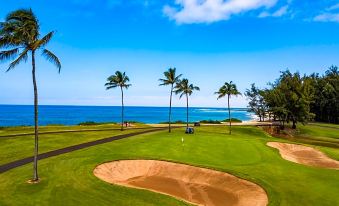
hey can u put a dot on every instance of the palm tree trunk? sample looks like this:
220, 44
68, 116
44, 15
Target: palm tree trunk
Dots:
170, 110
229, 113
36, 129
122, 109
186, 111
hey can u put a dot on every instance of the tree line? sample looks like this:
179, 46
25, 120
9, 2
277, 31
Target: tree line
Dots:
298, 98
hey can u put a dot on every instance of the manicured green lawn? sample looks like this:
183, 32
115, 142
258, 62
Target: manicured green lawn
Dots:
320, 131
317, 134
29, 129
68, 179
18, 147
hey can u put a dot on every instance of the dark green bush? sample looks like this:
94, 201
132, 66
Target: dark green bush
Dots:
210, 121
233, 120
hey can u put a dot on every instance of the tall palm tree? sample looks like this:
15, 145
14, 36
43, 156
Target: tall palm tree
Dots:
20, 36
228, 89
170, 79
119, 79
183, 87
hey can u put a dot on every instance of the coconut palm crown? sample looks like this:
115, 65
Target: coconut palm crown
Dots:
19, 35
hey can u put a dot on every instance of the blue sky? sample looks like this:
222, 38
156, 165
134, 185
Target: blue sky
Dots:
208, 41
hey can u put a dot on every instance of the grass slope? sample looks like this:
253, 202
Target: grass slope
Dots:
68, 179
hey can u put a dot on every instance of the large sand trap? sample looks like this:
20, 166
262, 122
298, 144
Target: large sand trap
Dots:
192, 184
304, 155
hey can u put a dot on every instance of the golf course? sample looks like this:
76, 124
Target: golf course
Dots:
169, 103
68, 179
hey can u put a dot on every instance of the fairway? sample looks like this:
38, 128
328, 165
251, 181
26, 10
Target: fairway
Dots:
68, 179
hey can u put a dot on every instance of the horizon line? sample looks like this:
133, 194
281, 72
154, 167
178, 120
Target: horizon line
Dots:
120, 106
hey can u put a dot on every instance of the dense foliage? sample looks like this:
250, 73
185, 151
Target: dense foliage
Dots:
325, 104
295, 98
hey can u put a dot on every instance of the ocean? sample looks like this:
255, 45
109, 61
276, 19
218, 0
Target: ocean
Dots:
18, 115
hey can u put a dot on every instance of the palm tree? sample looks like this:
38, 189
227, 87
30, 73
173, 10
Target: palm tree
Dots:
20, 36
119, 80
183, 87
228, 89
170, 79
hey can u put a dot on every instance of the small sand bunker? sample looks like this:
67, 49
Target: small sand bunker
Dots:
192, 184
304, 155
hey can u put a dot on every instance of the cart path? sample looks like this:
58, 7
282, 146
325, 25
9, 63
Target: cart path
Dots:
21, 162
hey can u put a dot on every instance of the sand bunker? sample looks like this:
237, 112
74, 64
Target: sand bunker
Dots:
192, 184
304, 155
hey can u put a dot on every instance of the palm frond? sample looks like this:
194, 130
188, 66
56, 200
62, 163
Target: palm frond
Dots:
27, 25
177, 78
195, 88
52, 58
9, 54
165, 82
184, 88
44, 40
126, 86
119, 79
22, 57
229, 88
110, 87
9, 38
20, 14
170, 77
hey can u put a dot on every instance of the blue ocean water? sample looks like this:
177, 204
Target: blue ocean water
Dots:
16, 115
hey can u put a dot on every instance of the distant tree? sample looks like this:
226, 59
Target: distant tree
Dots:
20, 36
228, 89
295, 98
257, 103
296, 95
120, 80
276, 103
170, 79
183, 87
326, 99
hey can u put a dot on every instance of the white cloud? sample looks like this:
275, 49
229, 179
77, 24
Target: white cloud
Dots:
327, 17
334, 7
278, 13
207, 11
330, 14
